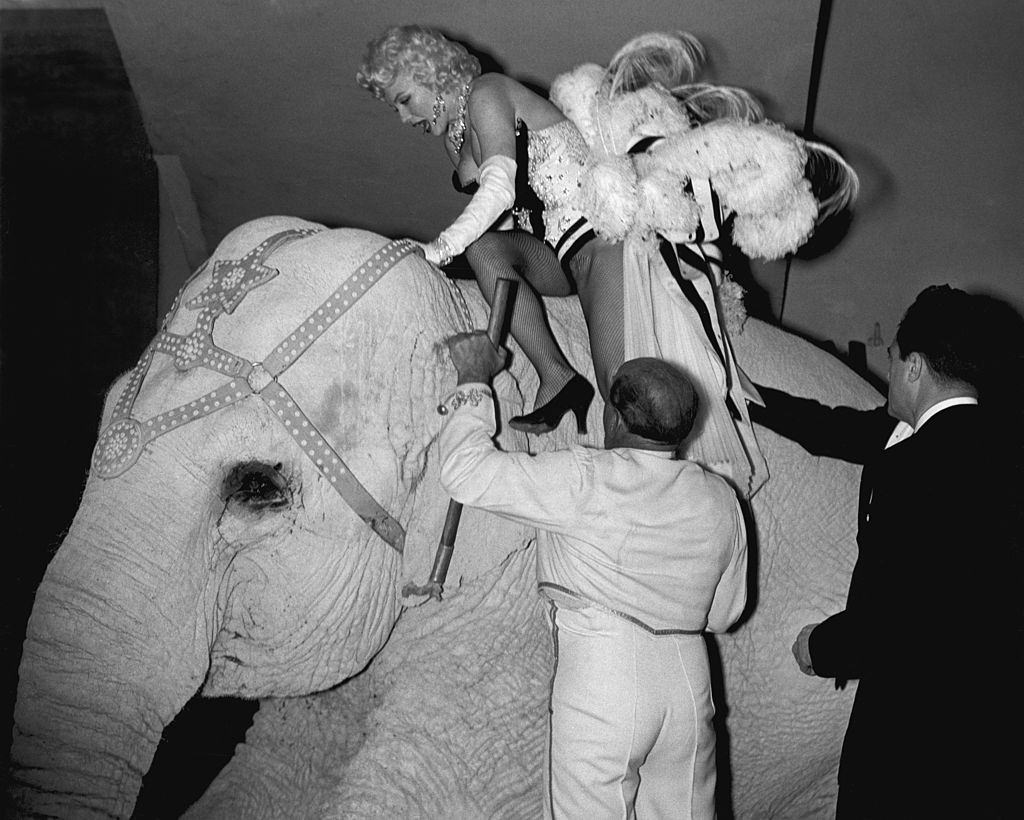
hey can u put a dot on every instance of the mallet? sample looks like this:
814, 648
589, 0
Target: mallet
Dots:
503, 297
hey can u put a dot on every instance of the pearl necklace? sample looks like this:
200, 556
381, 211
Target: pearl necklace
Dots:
457, 127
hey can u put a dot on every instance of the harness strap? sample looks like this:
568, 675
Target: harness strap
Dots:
348, 293
331, 466
230, 281
124, 403
123, 440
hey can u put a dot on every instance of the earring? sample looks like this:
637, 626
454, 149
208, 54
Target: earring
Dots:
439, 108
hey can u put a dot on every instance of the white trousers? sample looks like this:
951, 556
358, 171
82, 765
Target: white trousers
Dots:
630, 722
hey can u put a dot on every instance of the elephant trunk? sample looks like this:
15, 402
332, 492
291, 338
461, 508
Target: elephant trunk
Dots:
107, 663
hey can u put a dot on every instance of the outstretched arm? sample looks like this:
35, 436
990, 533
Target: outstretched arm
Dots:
837, 432
545, 490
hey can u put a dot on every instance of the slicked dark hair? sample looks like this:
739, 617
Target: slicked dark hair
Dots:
949, 328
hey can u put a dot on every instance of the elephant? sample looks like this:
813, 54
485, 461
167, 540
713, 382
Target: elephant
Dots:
264, 488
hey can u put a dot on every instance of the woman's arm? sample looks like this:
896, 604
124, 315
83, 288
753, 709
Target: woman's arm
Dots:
491, 137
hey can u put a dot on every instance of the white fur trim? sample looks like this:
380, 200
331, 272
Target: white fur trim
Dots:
608, 197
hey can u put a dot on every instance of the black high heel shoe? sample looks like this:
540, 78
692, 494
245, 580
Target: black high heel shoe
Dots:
577, 395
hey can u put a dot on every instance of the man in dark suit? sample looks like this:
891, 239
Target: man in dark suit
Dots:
932, 626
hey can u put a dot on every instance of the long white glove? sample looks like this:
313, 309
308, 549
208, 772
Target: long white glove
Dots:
496, 194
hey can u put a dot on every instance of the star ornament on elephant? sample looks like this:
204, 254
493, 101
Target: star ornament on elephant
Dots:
232, 279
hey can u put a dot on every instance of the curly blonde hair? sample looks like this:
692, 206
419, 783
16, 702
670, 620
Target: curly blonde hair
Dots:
432, 60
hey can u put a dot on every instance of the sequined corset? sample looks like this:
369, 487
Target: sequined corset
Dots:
558, 155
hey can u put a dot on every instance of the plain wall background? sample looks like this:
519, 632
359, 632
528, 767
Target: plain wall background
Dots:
257, 99
927, 101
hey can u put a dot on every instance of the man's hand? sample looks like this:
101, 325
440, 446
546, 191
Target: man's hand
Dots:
475, 358
802, 649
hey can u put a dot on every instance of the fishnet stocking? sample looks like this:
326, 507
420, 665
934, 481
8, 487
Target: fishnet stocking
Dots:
597, 269
520, 256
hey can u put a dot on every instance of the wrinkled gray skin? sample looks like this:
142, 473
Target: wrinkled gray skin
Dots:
163, 588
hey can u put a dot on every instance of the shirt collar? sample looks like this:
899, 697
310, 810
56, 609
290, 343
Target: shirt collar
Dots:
942, 405
904, 430
666, 454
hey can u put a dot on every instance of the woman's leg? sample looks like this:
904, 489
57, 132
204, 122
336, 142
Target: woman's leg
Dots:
597, 269
533, 265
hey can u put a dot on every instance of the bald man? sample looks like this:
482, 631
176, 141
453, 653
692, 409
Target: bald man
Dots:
639, 553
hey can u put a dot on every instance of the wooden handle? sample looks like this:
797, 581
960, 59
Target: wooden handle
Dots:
495, 331
499, 309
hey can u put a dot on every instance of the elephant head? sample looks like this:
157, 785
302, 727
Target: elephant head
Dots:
260, 492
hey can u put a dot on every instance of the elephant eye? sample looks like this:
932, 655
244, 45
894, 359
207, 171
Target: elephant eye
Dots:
257, 485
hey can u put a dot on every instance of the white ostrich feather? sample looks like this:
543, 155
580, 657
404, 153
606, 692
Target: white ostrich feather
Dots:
664, 206
608, 196
759, 169
662, 58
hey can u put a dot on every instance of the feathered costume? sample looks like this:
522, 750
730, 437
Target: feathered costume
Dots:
670, 161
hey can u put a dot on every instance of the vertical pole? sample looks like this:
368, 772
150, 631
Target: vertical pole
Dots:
446, 546
817, 58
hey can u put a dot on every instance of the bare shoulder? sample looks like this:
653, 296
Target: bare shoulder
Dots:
492, 86
491, 94
494, 89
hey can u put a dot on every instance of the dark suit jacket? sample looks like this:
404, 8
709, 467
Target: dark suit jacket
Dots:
931, 626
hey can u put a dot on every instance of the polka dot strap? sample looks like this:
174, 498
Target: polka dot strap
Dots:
228, 286
331, 465
347, 294
123, 406
121, 443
